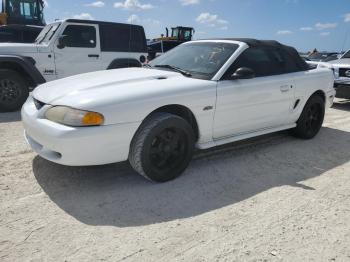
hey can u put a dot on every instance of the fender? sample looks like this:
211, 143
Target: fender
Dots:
27, 64
123, 63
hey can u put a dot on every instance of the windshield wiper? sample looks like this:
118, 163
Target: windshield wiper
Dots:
174, 68
147, 65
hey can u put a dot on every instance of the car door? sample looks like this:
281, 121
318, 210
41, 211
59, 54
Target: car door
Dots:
80, 52
249, 105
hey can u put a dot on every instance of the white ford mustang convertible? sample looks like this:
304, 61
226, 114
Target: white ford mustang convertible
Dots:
199, 95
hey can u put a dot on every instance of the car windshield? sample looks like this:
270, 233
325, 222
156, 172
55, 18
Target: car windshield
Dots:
318, 56
47, 33
323, 57
200, 59
346, 55
331, 58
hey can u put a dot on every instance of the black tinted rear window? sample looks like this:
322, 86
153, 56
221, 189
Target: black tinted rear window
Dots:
267, 61
122, 38
285, 61
138, 40
259, 60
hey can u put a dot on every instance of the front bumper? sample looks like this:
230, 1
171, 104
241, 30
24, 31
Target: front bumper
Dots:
342, 86
76, 146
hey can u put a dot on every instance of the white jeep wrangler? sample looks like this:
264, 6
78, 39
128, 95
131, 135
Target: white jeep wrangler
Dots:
64, 49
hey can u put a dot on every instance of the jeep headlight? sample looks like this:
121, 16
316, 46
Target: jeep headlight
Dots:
73, 117
336, 72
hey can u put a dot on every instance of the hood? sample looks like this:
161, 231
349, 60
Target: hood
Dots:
87, 91
341, 62
15, 48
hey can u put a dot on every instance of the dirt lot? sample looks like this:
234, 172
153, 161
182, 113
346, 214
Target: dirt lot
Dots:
275, 198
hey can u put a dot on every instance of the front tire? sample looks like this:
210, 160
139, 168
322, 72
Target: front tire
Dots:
162, 148
13, 90
311, 119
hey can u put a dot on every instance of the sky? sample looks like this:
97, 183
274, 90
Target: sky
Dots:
304, 24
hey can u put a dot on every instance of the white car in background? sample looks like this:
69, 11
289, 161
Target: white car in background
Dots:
200, 94
341, 69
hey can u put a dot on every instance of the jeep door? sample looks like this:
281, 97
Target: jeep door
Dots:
262, 102
45, 54
80, 52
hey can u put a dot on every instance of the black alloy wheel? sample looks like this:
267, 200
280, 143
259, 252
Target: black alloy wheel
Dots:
168, 149
311, 119
162, 148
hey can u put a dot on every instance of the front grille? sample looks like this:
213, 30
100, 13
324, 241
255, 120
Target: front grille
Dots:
38, 104
344, 72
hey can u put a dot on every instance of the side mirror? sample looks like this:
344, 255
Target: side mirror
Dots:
62, 42
243, 73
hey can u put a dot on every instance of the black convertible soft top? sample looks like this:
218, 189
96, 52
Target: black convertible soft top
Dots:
293, 53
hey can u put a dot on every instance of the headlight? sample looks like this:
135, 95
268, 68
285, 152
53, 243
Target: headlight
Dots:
73, 117
336, 72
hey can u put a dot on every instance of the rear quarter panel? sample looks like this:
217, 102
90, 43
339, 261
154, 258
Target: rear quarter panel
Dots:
106, 58
309, 82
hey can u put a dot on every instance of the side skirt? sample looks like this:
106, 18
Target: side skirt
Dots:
235, 138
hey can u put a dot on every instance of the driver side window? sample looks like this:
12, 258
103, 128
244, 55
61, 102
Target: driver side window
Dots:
257, 59
80, 36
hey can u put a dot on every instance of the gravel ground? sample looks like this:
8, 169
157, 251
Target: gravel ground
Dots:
274, 198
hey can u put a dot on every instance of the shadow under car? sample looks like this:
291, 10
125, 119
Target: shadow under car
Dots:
115, 195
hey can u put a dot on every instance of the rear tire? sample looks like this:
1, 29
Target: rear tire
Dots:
162, 148
13, 90
311, 119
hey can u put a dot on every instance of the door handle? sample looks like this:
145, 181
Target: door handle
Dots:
96, 56
285, 88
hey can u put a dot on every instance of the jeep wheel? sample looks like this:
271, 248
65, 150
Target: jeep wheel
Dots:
13, 90
162, 147
311, 119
